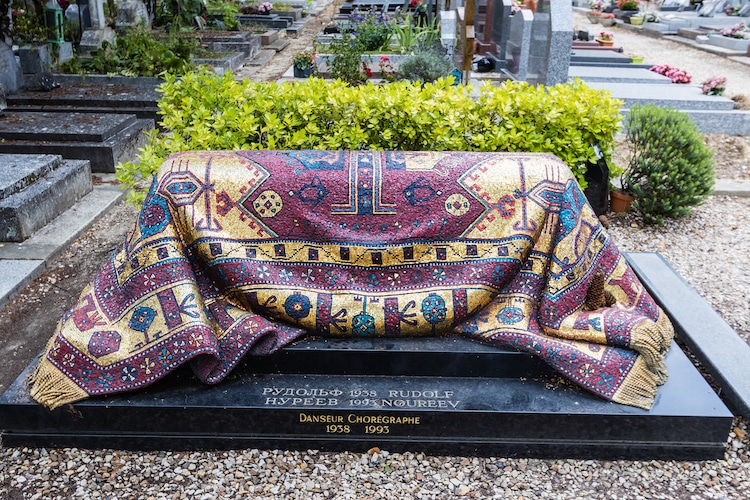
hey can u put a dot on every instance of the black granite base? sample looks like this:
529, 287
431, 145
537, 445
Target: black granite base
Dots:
421, 405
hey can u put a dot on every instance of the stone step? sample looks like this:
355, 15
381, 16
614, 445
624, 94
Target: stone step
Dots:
278, 45
104, 139
262, 57
592, 57
36, 189
617, 75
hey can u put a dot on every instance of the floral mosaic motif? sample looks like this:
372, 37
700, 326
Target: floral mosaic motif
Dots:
510, 315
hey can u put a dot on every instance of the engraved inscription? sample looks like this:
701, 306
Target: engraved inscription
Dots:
359, 398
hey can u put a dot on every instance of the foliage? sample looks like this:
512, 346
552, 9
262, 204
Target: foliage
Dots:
28, 26
228, 12
346, 59
137, 53
409, 35
204, 111
371, 28
424, 67
716, 85
628, 4
670, 169
675, 74
178, 12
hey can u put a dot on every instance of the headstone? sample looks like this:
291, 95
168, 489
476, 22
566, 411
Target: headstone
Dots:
104, 139
500, 31
710, 7
519, 44
131, 13
34, 189
11, 77
552, 32
93, 37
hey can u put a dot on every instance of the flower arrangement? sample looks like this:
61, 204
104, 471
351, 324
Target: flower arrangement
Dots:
265, 7
387, 71
598, 4
716, 85
731, 10
737, 31
675, 74
608, 15
606, 36
628, 4
304, 59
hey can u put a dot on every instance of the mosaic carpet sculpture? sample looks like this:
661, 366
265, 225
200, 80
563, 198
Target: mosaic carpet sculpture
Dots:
243, 252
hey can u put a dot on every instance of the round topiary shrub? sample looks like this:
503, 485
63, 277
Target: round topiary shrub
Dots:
670, 170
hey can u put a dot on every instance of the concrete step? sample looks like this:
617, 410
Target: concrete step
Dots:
278, 45
36, 189
262, 57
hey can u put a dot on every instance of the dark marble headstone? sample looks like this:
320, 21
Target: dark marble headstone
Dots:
104, 139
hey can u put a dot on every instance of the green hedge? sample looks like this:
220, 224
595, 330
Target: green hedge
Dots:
203, 111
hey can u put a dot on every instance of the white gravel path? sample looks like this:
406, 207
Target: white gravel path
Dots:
710, 248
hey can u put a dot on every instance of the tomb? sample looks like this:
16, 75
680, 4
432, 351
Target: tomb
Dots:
103, 139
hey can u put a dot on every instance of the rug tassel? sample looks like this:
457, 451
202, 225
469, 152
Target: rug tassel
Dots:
51, 388
652, 340
639, 387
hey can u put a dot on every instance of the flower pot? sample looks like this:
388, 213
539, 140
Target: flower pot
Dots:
303, 73
607, 21
605, 43
619, 201
636, 21
636, 59
593, 19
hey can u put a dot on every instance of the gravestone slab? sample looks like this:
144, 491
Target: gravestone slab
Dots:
11, 77
442, 396
35, 190
123, 95
519, 44
104, 139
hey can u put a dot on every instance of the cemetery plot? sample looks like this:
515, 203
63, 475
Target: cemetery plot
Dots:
104, 139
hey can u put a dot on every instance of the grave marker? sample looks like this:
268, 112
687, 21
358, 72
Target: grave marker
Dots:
93, 37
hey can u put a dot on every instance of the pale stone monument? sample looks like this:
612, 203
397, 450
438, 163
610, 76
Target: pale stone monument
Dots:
93, 37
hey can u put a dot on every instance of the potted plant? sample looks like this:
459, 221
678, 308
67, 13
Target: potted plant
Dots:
605, 39
637, 19
304, 63
607, 19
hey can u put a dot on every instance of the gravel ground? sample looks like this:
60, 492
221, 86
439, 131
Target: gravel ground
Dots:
710, 248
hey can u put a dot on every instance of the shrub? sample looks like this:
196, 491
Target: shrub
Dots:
670, 170
206, 111
424, 66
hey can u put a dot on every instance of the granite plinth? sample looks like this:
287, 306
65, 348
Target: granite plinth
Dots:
713, 342
63, 127
27, 211
593, 57
677, 96
617, 75
508, 416
103, 139
20, 171
120, 95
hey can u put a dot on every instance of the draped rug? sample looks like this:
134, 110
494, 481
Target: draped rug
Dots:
237, 253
